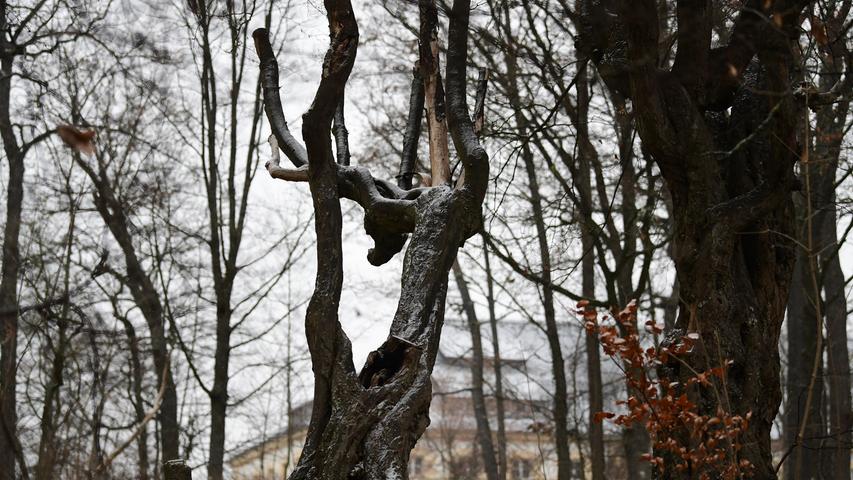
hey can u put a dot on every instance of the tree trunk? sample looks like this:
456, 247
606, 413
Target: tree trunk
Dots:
219, 392
499, 389
560, 409
481, 415
138, 399
558, 369
147, 298
10, 269
829, 134
840, 418
730, 177
363, 426
47, 451
593, 356
803, 329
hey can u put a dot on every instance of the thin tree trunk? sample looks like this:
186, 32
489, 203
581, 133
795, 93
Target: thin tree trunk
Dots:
481, 415
838, 372
147, 298
46, 464
10, 268
558, 369
803, 330
829, 134
499, 389
219, 393
593, 356
138, 399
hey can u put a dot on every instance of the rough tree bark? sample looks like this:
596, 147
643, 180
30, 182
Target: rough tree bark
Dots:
363, 425
730, 175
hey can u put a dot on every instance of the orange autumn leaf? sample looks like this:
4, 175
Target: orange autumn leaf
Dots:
82, 141
600, 416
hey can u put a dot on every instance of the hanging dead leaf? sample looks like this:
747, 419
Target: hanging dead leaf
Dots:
82, 141
819, 31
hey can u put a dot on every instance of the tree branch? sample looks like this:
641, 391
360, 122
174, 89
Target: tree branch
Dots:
474, 157
413, 131
272, 100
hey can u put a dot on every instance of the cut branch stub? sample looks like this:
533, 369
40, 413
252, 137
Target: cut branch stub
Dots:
413, 131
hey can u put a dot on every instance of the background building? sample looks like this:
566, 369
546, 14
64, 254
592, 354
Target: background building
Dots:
448, 448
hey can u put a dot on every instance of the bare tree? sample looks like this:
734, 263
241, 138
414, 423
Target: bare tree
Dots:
227, 172
819, 438
364, 425
28, 31
729, 177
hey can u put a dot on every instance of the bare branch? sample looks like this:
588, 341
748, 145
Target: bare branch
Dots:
413, 131
272, 100
473, 156
140, 427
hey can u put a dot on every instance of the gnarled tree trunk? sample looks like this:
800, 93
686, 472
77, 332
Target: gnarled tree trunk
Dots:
363, 425
729, 174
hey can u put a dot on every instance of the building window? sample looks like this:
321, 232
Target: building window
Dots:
521, 470
416, 466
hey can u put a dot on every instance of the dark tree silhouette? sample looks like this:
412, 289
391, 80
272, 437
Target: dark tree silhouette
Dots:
721, 125
364, 424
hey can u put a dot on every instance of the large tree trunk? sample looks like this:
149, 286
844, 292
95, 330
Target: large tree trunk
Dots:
363, 426
729, 177
367, 424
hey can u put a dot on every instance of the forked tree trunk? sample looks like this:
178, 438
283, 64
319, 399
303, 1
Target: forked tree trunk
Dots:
730, 177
